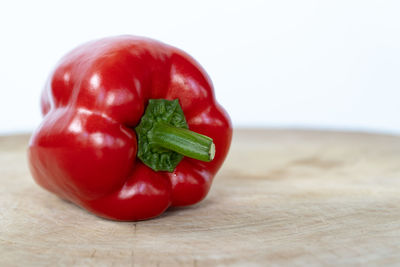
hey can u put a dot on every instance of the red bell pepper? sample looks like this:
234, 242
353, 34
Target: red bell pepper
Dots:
115, 136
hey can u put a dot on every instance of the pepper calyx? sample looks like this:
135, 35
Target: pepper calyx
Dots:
164, 137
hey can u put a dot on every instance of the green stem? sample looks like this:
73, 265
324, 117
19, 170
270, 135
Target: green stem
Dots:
164, 137
182, 141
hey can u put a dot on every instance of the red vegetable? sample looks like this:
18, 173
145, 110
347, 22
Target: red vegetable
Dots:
87, 151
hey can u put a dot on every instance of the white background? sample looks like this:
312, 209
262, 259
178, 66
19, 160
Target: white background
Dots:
308, 64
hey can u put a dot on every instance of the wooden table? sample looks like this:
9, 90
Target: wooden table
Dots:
283, 197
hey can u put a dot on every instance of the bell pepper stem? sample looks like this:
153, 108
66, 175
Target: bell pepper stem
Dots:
164, 137
182, 141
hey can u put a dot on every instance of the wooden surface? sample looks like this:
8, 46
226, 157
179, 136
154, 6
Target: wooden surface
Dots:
283, 197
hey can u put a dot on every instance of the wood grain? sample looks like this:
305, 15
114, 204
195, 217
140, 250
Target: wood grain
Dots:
283, 197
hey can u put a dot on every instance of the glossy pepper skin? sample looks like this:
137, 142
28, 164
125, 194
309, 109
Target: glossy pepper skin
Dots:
85, 149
